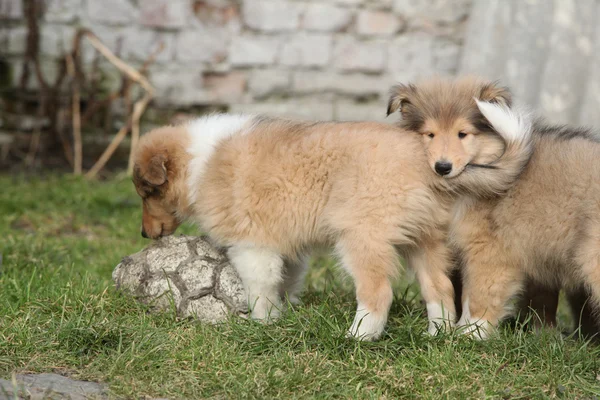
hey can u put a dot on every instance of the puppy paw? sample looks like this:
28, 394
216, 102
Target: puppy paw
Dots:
366, 327
266, 313
478, 330
437, 327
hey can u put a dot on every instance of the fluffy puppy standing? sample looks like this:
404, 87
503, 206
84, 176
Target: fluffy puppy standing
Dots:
271, 189
546, 228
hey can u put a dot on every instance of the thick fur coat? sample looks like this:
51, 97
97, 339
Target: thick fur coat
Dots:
271, 189
546, 228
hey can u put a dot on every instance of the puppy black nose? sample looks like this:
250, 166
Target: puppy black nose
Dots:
443, 167
144, 234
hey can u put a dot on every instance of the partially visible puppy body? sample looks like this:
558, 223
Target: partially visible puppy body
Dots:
546, 227
542, 302
270, 190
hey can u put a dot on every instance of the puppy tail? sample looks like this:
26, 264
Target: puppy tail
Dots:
515, 127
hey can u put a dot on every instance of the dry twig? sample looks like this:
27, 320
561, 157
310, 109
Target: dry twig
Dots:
138, 108
76, 115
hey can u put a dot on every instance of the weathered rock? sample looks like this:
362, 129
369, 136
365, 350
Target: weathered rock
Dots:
186, 274
112, 12
545, 51
17, 39
350, 54
10, 9
357, 111
224, 87
208, 44
253, 50
326, 18
432, 11
264, 82
309, 109
377, 23
177, 83
411, 56
56, 39
61, 10
139, 44
351, 83
50, 386
164, 13
308, 50
271, 16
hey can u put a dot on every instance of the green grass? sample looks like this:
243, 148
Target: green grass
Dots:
61, 237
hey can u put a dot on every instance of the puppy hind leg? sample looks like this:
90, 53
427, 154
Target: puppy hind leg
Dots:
372, 263
540, 300
582, 310
589, 259
432, 264
261, 272
293, 279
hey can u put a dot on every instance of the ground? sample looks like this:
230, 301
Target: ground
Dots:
62, 237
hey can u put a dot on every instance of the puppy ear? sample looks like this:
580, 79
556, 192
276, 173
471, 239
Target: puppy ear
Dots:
156, 170
493, 93
400, 95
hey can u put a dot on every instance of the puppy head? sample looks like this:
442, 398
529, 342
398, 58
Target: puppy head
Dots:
158, 178
445, 114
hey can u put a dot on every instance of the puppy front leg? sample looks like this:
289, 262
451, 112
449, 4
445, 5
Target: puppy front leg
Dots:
490, 280
261, 271
372, 264
432, 264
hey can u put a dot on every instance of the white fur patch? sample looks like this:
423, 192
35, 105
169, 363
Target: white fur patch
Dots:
511, 125
439, 318
479, 329
261, 272
367, 325
206, 133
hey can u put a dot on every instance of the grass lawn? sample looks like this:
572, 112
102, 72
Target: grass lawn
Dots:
61, 237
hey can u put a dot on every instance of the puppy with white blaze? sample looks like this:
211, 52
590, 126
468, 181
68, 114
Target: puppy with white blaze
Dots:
270, 190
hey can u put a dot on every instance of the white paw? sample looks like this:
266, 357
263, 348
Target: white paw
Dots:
265, 311
366, 327
478, 330
440, 319
439, 326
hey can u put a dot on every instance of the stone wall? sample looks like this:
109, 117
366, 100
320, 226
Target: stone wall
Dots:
320, 59
547, 51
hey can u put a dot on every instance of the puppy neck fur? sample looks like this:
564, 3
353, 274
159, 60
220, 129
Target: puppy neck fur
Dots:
205, 134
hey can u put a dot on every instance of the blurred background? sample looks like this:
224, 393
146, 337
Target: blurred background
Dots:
314, 59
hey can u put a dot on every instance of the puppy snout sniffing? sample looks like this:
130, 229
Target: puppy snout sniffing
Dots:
443, 167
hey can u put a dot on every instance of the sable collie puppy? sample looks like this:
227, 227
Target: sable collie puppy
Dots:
546, 227
269, 190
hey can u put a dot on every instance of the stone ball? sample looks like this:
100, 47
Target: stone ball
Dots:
183, 273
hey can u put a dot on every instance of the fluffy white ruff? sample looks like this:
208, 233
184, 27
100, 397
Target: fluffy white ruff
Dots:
510, 124
261, 271
476, 329
440, 319
206, 133
367, 326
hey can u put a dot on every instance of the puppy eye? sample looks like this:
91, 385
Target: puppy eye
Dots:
462, 135
431, 135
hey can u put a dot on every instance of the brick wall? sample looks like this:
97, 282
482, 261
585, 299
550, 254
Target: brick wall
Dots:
323, 59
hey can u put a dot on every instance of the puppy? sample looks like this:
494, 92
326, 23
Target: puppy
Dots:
271, 189
546, 228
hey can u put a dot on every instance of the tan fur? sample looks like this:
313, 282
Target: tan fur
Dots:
159, 179
546, 227
443, 111
283, 187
